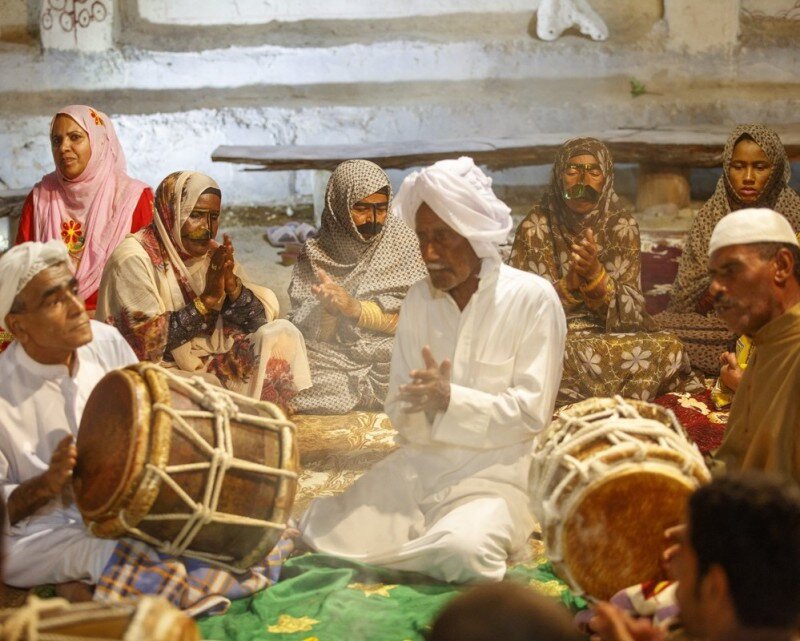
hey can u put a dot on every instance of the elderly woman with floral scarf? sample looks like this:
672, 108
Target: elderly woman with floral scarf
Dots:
180, 299
347, 289
582, 241
755, 173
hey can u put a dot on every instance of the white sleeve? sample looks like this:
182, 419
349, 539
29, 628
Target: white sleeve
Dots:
484, 420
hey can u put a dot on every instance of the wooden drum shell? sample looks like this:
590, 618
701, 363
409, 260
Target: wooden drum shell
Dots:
125, 431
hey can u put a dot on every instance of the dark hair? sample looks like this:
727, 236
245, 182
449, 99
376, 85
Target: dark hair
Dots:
768, 251
749, 525
212, 190
507, 611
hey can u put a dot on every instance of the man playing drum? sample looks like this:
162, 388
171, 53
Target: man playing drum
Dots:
754, 264
474, 375
46, 376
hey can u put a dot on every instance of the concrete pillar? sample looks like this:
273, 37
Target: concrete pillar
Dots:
77, 25
697, 27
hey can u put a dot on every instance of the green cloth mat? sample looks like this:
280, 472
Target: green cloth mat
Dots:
324, 598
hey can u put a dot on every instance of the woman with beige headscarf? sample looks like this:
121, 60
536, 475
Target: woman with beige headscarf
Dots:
180, 299
755, 173
581, 239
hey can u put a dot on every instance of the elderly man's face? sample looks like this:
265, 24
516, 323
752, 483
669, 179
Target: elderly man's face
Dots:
450, 259
201, 226
51, 318
741, 287
583, 170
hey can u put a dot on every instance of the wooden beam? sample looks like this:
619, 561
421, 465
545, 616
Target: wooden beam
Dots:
700, 147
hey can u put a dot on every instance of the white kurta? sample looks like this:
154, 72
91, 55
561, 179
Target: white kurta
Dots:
40, 405
452, 501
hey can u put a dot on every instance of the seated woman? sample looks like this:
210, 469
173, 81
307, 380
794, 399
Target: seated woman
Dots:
581, 240
89, 201
755, 173
347, 289
180, 299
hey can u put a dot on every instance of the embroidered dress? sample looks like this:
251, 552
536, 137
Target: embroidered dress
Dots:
350, 360
148, 292
690, 313
613, 346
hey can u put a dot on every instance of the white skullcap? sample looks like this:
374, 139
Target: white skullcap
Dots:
461, 195
21, 263
748, 226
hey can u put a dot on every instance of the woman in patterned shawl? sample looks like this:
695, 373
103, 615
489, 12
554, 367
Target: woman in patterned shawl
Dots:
581, 240
347, 289
755, 173
180, 299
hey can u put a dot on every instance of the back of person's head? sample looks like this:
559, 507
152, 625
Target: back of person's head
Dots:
503, 611
749, 525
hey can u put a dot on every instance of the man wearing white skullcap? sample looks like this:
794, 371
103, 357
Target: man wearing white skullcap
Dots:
474, 376
46, 376
754, 264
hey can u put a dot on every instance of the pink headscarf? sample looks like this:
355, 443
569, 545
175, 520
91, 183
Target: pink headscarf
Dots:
102, 199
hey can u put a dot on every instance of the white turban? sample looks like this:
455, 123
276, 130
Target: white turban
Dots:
461, 195
21, 263
748, 226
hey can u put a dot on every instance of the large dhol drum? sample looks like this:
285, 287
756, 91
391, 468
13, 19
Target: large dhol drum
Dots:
608, 477
188, 467
146, 619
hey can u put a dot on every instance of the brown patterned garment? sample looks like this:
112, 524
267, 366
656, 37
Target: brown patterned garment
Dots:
350, 365
612, 345
704, 334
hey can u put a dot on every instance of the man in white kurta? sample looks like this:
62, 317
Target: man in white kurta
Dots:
452, 501
41, 404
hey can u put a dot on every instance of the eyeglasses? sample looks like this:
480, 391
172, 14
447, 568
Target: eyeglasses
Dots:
374, 208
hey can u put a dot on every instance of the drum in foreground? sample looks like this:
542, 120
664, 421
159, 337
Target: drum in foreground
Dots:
147, 619
185, 466
608, 477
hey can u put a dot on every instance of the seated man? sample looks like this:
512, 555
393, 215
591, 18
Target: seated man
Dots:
743, 585
46, 376
347, 288
474, 375
181, 300
754, 264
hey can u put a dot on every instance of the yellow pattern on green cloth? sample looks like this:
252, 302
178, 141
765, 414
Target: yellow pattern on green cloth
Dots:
370, 589
288, 624
548, 588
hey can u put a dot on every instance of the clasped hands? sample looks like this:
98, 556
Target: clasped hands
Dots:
334, 298
584, 262
221, 282
429, 389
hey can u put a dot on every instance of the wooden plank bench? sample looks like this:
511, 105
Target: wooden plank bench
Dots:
665, 155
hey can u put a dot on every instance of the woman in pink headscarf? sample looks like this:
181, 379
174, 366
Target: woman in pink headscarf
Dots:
89, 201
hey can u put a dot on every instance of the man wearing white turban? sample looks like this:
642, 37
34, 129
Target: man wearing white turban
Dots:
46, 376
474, 375
754, 264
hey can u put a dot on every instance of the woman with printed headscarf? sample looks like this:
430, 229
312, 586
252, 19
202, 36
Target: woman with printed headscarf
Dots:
89, 201
755, 173
180, 299
347, 289
581, 239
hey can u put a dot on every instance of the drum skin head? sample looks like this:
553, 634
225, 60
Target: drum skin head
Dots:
111, 445
613, 537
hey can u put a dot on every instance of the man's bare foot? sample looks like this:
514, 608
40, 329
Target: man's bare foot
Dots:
75, 591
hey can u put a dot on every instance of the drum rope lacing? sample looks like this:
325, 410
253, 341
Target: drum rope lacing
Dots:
554, 455
23, 623
221, 460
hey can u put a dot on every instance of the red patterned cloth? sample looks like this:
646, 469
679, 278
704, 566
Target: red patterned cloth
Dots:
703, 422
